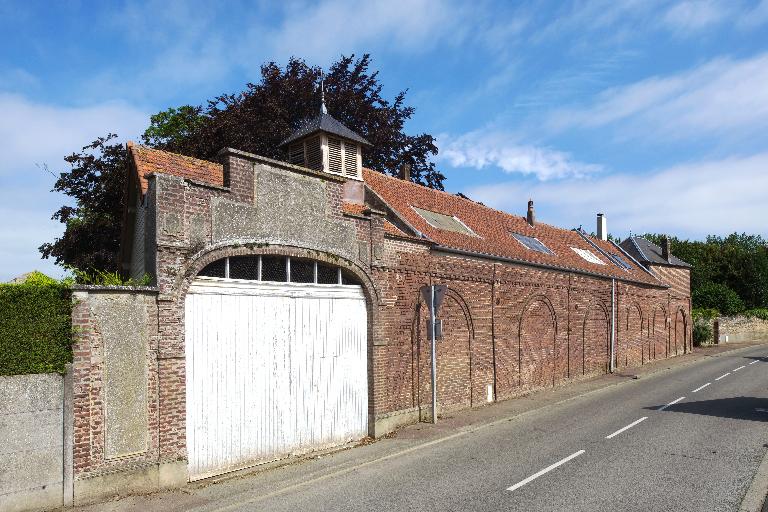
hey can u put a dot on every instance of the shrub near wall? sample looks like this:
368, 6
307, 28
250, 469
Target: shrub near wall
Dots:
35, 326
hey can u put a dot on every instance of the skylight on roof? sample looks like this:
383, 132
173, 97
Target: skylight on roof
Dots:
618, 260
442, 221
531, 243
588, 255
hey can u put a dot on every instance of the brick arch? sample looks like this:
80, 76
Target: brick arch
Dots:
454, 354
537, 339
595, 338
629, 350
681, 331
659, 333
196, 263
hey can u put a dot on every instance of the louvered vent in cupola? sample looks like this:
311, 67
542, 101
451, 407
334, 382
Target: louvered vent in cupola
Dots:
314, 151
296, 153
350, 160
334, 155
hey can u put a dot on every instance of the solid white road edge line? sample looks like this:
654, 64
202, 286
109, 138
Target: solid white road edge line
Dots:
723, 375
701, 387
545, 470
739, 368
627, 427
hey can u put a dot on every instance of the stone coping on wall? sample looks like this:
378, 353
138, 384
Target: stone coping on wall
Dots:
282, 165
114, 288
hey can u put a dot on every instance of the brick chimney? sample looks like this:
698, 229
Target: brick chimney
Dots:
531, 217
666, 253
405, 172
602, 227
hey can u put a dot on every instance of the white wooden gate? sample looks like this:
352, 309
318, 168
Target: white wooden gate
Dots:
272, 369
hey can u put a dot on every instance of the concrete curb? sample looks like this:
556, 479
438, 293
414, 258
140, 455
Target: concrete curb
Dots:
754, 499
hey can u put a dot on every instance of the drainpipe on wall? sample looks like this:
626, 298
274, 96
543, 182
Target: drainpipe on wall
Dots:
613, 324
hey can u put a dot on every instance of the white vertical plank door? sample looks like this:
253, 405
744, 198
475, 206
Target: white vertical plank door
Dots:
272, 369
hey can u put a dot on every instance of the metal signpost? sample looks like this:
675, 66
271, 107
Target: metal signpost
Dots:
433, 296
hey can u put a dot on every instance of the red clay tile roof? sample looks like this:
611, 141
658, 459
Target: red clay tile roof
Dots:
149, 160
494, 228
353, 208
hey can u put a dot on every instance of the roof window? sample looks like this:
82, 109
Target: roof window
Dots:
445, 222
532, 243
588, 255
618, 260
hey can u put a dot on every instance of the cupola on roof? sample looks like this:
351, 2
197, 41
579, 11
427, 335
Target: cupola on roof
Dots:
323, 143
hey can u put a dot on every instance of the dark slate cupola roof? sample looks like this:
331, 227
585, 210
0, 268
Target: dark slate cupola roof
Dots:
324, 123
648, 253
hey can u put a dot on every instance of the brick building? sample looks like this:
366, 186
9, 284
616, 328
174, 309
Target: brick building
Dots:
287, 312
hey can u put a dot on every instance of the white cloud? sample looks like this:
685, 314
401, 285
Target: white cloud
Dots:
36, 133
694, 199
323, 31
756, 17
692, 16
489, 148
722, 95
26, 213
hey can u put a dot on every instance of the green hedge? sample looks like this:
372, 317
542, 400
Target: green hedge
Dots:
35, 326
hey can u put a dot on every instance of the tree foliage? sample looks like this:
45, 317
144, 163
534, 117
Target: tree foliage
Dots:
729, 273
259, 118
96, 182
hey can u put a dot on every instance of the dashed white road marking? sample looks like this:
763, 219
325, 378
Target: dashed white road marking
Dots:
755, 361
739, 368
701, 387
627, 427
673, 402
545, 470
723, 375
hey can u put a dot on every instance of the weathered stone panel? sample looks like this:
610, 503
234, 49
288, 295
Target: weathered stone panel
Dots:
123, 322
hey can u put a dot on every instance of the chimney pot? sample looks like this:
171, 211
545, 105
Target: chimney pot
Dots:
602, 227
531, 216
405, 172
666, 253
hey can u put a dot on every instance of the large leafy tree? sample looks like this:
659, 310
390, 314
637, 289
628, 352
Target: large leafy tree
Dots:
728, 272
258, 119
255, 120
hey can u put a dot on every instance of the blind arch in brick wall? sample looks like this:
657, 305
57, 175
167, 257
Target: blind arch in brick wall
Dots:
537, 343
681, 331
454, 354
595, 338
659, 333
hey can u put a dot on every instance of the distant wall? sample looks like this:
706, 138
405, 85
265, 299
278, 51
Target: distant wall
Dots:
34, 441
739, 329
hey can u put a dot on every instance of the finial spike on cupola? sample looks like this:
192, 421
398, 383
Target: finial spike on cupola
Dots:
323, 109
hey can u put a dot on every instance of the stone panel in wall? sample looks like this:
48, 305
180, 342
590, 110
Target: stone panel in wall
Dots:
122, 320
290, 209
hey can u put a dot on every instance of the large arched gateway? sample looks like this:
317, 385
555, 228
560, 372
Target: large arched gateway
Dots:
276, 359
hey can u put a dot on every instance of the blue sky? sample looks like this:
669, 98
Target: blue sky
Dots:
653, 112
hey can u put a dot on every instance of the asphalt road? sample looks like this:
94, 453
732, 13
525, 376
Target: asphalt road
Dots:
698, 454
